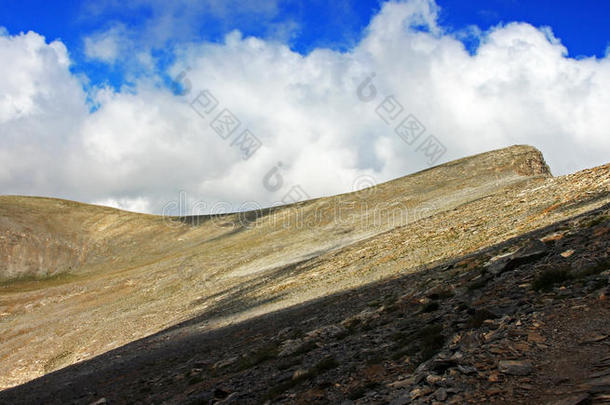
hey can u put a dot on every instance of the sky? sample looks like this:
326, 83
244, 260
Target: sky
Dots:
209, 106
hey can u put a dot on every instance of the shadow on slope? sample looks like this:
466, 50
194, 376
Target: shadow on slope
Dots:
188, 363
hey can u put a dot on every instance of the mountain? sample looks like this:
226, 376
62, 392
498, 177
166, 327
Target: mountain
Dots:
401, 292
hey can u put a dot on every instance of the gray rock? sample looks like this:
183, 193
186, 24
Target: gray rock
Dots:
599, 384
440, 394
326, 332
433, 379
298, 374
200, 398
578, 399
514, 367
466, 369
225, 362
291, 346
420, 392
401, 400
529, 253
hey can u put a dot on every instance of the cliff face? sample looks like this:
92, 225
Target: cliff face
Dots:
133, 275
25, 252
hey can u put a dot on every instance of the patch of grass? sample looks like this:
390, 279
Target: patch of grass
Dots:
374, 358
306, 348
390, 308
431, 307
57, 361
594, 269
407, 351
296, 334
278, 389
400, 336
259, 356
600, 284
426, 342
374, 303
289, 362
353, 323
34, 282
367, 326
322, 366
342, 335
441, 294
432, 341
596, 221
359, 392
389, 298
195, 380
479, 283
548, 278
327, 363
478, 317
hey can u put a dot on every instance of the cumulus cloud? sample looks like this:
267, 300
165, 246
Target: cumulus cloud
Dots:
42, 106
167, 22
106, 46
142, 146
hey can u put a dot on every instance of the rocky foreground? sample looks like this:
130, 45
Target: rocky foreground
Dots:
525, 321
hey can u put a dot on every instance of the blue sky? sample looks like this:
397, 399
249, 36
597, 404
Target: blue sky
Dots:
581, 26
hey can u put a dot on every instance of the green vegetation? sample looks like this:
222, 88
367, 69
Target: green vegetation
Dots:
390, 308
289, 362
30, 282
594, 269
57, 361
431, 307
477, 284
259, 356
597, 221
375, 303
479, 316
441, 294
305, 348
549, 277
432, 341
327, 363
359, 392
425, 343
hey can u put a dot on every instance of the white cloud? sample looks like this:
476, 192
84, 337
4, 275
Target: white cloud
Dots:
139, 204
143, 145
107, 46
163, 22
42, 106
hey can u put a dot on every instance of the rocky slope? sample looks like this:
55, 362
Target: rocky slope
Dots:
524, 321
134, 275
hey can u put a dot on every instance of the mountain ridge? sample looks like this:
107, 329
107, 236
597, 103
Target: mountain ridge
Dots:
147, 276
